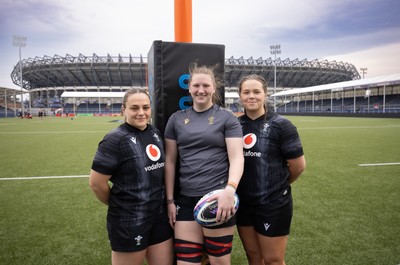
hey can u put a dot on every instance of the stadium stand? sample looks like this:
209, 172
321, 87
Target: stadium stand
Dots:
369, 96
48, 78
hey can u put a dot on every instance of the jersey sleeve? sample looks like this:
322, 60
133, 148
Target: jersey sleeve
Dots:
107, 155
291, 146
233, 129
169, 132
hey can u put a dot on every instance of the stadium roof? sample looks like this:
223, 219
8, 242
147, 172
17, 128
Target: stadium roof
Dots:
69, 94
76, 94
86, 72
10, 91
347, 85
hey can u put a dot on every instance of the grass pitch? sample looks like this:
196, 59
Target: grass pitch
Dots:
344, 213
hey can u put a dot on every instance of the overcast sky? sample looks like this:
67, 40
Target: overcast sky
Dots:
365, 33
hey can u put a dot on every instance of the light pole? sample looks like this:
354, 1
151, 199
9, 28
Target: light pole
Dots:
367, 92
20, 41
363, 71
275, 49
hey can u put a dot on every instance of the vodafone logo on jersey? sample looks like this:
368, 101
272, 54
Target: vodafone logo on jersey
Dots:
153, 152
249, 140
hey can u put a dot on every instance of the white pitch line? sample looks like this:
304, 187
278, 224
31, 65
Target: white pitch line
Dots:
379, 164
48, 177
350, 127
64, 132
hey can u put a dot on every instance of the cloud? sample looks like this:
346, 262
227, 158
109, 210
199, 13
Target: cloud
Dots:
307, 29
381, 60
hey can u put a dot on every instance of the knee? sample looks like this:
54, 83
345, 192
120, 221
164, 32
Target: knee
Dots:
254, 257
274, 260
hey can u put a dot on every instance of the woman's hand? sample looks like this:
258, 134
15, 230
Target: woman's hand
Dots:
171, 213
226, 204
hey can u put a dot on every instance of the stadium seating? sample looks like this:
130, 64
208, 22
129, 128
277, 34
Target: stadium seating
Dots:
346, 105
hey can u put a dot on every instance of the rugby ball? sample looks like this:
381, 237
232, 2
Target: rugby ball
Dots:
205, 212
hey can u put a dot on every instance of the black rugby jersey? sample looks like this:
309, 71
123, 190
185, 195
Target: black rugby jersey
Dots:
135, 160
268, 142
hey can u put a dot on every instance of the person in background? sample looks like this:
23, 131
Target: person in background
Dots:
40, 114
132, 157
207, 141
274, 159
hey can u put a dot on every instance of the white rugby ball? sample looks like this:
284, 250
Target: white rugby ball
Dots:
205, 212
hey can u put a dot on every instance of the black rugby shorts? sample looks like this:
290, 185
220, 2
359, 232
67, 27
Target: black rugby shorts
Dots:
266, 222
131, 238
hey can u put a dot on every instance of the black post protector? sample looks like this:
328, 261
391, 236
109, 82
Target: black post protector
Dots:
168, 72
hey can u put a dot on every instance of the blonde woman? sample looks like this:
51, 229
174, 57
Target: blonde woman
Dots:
206, 139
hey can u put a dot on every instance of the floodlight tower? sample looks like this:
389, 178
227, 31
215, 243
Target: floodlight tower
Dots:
275, 49
363, 71
20, 41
